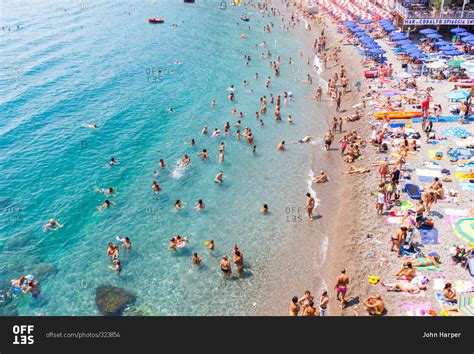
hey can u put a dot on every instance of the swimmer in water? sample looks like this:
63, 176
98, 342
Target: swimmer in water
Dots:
178, 205
290, 120
162, 163
156, 187
117, 266
231, 96
171, 110
126, 242
196, 259
221, 156
219, 176
213, 103
185, 160
204, 154
254, 150
109, 191
92, 126
199, 205
281, 146
231, 88
246, 83
107, 204
210, 246
204, 130
225, 265
216, 132
264, 209
52, 225
177, 62
113, 161
306, 139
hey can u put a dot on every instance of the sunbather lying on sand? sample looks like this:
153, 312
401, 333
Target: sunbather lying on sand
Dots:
426, 261
409, 288
356, 171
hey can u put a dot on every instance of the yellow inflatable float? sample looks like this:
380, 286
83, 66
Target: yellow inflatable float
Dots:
397, 115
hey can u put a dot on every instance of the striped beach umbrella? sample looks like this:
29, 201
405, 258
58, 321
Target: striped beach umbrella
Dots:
464, 229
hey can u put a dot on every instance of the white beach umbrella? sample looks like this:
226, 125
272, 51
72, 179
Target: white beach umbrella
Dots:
436, 65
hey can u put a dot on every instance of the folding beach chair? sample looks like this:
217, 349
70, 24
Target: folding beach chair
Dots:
466, 304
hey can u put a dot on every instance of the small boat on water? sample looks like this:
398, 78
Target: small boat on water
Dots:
156, 20
245, 18
189, 1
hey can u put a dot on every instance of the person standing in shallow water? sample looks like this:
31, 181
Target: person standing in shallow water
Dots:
309, 206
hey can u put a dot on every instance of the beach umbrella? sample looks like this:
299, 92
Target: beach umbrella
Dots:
349, 23
312, 9
428, 31
434, 36
464, 229
436, 65
377, 51
454, 53
457, 95
465, 34
441, 43
404, 42
366, 22
458, 30
390, 29
447, 48
357, 29
362, 34
455, 63
468, 38
384, 21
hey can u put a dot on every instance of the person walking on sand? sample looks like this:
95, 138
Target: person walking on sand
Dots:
341, 286
309, 206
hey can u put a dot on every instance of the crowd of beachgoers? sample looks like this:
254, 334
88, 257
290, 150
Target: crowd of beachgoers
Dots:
414, 159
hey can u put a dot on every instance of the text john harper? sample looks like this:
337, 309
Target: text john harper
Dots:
449, 335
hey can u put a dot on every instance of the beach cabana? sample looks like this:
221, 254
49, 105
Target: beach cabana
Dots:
457, 95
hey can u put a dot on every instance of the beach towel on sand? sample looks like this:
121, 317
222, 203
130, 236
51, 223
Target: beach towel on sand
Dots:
467, 186
464, 175
425, 179
428, 173
394, 219
429, 236
442, 301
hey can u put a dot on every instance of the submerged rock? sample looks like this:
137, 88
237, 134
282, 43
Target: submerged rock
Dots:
111, 301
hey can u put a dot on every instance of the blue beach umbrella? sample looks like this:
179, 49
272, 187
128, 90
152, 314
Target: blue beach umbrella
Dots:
362, 34
434, 36
447, 48
457, 95
358, 29
465, 34
384, 21
458, 30
471, 43
377, 51
403, 42
428, 31
467, 39
441, 43
454, 53
366, 22
349, 23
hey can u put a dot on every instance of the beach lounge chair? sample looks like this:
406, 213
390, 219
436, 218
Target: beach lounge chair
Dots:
466, 304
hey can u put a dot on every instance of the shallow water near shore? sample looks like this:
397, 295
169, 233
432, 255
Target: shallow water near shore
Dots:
96, 63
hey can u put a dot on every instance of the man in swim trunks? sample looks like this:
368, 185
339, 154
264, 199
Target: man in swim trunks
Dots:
225, 265
341, 286
322, 178
328, 138
323, 303
196, 259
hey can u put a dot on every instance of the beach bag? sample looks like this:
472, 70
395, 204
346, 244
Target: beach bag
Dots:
415, 135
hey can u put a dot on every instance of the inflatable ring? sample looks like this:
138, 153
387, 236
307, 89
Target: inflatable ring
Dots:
373, 279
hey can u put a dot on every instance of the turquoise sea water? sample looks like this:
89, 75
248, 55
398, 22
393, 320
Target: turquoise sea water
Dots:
96, 62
